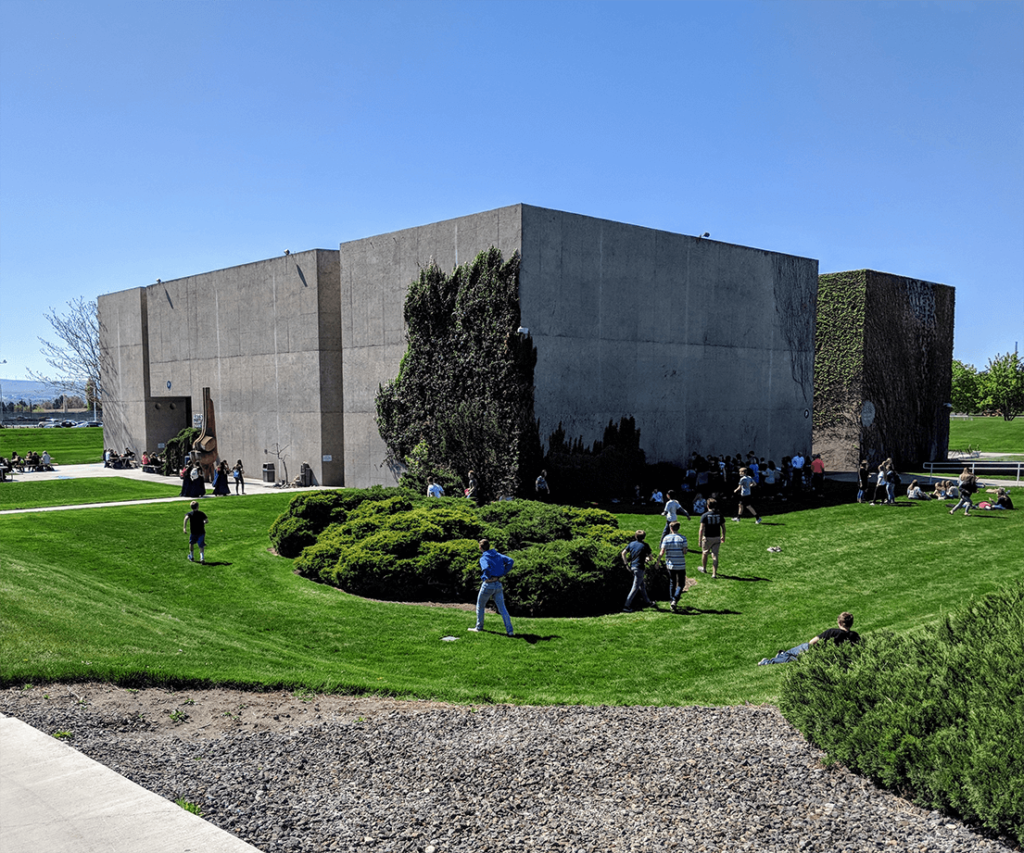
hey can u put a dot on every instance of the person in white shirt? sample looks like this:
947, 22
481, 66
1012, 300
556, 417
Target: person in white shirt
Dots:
433, 489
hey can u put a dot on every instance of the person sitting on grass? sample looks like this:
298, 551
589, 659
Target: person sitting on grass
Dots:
1002, 500
915, 493
842, 634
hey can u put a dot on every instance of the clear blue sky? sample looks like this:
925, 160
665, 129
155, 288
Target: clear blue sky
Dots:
145, 140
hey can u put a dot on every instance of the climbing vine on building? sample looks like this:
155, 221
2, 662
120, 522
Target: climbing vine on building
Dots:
464, 389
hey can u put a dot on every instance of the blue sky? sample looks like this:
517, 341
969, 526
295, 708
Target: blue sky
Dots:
145, 140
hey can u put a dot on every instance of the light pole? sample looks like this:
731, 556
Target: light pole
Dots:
2, 398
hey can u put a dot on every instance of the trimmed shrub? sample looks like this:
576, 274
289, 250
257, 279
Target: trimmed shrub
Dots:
937, 717
397, 546
564, 578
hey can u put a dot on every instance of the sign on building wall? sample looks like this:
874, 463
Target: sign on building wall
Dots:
197, 421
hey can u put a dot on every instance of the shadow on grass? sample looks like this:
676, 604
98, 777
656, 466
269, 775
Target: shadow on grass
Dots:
209, 563
738, 578
532, 639
684, 610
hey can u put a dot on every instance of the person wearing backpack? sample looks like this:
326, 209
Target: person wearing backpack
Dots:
493, 567
968, 486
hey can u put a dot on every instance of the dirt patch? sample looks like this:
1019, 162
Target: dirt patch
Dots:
210, 712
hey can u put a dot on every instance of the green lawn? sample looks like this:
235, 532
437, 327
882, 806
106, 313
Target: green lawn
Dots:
65, 446
107, 594
989, 435
26, 493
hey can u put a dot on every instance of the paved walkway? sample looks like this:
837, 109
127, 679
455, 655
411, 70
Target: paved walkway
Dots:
53, 799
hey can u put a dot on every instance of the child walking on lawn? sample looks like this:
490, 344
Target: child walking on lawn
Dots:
195, 521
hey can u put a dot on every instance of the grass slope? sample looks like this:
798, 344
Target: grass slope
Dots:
65, 446
989, 435
24, 493
107, 594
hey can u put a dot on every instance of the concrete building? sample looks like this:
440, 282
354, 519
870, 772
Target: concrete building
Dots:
883, 369
709, 346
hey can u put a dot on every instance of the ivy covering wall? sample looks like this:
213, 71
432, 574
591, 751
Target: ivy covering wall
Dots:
839, 367
464, 390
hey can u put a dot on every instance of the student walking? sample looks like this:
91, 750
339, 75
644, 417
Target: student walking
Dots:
238, 472
493, 567
195, 524
746, 484
671, 512
863, 477
673, 552
635, 556
711, 536
967, 486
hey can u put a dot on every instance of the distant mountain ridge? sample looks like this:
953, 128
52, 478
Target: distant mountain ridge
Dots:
29, 391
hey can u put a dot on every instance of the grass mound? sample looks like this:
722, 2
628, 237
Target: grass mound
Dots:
935, 715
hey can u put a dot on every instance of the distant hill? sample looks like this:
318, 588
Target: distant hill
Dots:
29, 391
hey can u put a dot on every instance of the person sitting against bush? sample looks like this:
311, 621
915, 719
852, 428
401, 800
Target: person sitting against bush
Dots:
842, 634
915, 493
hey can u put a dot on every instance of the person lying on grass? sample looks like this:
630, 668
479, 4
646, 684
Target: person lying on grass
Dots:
842, 634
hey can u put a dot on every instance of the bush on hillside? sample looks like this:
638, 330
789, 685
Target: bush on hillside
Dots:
936, 716
398, 546
309, 514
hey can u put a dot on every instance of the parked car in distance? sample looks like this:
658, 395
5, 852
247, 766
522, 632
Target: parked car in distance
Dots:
49, 422
89, 424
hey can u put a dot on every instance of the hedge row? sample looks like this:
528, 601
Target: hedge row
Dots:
395, 545
937, 717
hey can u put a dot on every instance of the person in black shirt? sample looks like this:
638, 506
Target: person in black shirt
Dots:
842, 634
710, 536
195, 521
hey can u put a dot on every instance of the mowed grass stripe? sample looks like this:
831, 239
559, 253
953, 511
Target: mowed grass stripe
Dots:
107, 593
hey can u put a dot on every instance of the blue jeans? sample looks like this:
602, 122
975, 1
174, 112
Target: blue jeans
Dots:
676, 585
790, 655
489, 590
637, 588
890, 492
965, 502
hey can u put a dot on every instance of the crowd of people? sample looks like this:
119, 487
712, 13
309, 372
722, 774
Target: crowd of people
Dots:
193, 480
26, 464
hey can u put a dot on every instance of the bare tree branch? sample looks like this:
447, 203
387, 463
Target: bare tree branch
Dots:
76, 356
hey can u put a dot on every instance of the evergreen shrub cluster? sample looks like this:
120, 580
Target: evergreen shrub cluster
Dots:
177, 449
397, 545
937, 717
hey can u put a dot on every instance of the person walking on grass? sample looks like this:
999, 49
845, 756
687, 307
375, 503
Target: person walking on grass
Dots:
967, 485
746, 484
195, 524
673, 552
493, 567
710, 537
671, 512
634, 557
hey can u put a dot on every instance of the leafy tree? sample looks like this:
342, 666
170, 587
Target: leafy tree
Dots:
76, 356
465, 385
966, 394
1003, 385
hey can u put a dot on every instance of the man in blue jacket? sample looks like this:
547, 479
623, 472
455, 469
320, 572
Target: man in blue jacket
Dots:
493, 567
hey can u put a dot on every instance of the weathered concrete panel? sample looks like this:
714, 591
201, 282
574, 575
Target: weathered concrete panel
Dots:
707, 345
375, 275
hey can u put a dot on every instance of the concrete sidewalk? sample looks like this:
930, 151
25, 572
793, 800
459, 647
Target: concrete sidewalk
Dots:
53, 799
96, 469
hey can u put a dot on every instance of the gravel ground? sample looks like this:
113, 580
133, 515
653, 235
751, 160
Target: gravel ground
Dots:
320, 773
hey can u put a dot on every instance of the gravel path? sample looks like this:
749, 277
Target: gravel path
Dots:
381, 776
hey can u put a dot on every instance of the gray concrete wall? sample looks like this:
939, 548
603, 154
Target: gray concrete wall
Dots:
709, 346
264, 337
375, 275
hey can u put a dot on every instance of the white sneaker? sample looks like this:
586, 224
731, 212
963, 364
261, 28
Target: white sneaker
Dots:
737, 519
474, 630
